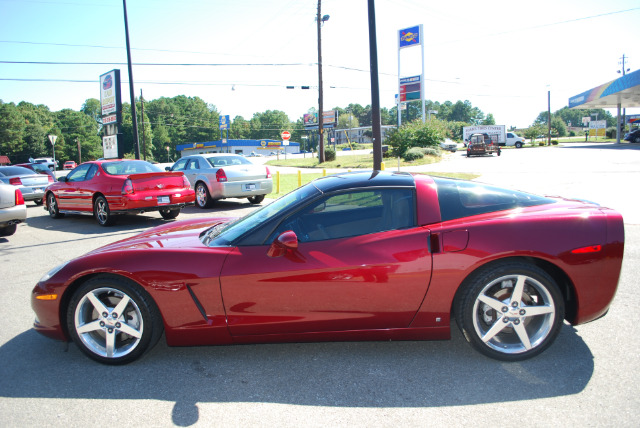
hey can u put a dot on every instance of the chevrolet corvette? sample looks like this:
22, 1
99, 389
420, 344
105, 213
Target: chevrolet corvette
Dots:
355, 256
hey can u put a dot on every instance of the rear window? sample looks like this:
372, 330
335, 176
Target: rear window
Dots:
218, 161
129, 167
460, 199
14, 170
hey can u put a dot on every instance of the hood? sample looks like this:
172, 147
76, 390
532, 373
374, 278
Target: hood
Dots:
179, 234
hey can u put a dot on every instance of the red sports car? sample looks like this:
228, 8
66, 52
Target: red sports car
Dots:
108, 188
360, 256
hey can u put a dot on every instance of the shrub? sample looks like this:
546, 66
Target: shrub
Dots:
554, 142
541, 143
329, 154
572, 133
416, 134
413, 153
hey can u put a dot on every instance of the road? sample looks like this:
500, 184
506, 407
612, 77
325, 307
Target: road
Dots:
589, 377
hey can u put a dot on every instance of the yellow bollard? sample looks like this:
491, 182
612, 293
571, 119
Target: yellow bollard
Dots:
324, 172
382, 166
299, 178
278, 182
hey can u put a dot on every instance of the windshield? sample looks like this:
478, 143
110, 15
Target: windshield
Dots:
217, 161
224, 234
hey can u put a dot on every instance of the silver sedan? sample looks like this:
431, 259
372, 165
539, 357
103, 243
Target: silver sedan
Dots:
12, 209
30, 183
223, 175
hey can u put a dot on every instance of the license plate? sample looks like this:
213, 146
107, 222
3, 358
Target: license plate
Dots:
250, 186
38, 189
163, 200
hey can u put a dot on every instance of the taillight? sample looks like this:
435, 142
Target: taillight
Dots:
127, 187
268, 172
15, 181
221, 177
19, 198
185, 182
50, 178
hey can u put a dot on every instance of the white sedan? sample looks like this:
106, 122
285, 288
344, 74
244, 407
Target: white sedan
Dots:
217, 176
12, 209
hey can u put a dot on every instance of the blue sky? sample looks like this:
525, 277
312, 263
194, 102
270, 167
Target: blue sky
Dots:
503, 56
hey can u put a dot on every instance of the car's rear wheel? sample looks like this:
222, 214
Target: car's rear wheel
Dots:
203, 197
637, 139
113, 320
38, 202
102, 213
510, 312
52, 206
256, 199
170, 214
8, 230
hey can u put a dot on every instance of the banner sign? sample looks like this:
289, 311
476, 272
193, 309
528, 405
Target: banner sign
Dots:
410, 88
329, 119
224, 122
110, 91
110, 146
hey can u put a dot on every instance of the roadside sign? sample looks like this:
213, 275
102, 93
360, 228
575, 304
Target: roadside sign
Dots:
285, 135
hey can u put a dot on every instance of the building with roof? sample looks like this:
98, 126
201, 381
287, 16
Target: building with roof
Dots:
241, 147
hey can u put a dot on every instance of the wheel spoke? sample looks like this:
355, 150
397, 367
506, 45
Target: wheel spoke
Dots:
496, 328
110, 343
533, 311
97, 304
126, 328
494, 303
119, 309
516, 296
521, 331
89, 327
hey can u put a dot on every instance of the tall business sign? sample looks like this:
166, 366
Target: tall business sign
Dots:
111, 113
411, 88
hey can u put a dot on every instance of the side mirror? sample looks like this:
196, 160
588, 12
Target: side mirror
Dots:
167, 168
284, 242
64, 178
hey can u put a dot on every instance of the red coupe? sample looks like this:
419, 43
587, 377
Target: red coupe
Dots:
108, 188
360, 256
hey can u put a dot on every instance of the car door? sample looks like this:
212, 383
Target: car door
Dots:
361, 264
70, 194
192, 169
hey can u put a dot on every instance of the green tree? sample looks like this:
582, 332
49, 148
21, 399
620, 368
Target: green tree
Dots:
489, 120
416, 134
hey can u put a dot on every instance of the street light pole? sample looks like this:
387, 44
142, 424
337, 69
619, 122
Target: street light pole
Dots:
319, 22
134, 117
53, 139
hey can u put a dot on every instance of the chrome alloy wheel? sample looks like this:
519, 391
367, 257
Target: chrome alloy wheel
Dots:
514, 314
53, 207
102, 213
108, 322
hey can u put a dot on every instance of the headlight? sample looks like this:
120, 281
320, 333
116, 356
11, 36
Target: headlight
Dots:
53, 271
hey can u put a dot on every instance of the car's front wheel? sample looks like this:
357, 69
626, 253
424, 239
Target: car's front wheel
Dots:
511, 311
256, 199
52, 206
170, 214
203, 197
518, 145
112, 320
8, 230
101, 212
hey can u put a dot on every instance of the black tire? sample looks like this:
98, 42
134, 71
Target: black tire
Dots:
101, 332
507, 328
256, 199
499, 152
518, 145
38, 202
102, 213
52, 206
637, 139
203, 197
8, 230
468, 155
170, 214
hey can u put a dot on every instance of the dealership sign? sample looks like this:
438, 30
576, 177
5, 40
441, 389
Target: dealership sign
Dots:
111, 114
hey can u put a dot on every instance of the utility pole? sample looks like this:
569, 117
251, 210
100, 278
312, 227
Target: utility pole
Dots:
144, 140
375, 90
134, 117
319, 21
79, 151
549, 117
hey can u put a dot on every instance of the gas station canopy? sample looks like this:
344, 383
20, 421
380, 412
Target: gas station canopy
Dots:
623, 92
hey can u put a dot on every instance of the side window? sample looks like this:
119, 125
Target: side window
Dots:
92, 172
79, 173
352, 214
193, 164
179, 166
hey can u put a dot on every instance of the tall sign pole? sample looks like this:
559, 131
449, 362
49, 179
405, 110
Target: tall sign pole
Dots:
375, 90
321, 157
134, 117
411, 88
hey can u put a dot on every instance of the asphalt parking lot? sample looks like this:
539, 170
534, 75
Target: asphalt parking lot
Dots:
589, 377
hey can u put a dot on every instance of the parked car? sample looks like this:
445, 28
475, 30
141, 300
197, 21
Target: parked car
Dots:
69, 165
449, 144
482, 144
12, 209
109, 188
633, 137
217, 176
49, 162
359, 256
40, 168
30, 183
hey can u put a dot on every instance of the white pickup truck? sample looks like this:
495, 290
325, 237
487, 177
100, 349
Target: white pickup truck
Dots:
504, 138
